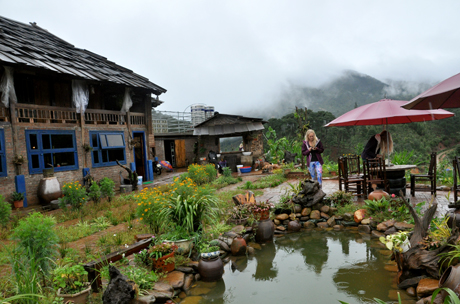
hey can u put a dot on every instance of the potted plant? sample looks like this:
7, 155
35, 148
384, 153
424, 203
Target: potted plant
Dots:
181, 237
397, 241
210, 266
162, 256
239, 215
70, 280
18, 199
261, 210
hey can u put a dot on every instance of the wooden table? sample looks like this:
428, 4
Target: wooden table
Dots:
396, 178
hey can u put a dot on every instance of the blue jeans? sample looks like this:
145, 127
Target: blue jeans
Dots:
315, 167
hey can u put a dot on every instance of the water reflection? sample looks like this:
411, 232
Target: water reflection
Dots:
308, 267
266, 269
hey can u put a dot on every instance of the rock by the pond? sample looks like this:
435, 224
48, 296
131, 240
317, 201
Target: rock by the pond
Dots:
364, 229
188, 281
390, 230
359, 215
255, 245
391, 268
411, 291
331, 221
276, 222
325, 215
338, 227
309, 225
365, 221
294, 226
223, 245
412, 282
427, 286
350, 223
333, 209
185, 269
286, 222
238, 229
427, 300
376, 234
305, 211
348, 217
298, 215
292, 216
193, 264
162, 286
322, 225
315, 215
280, 228
325, 209
119, 290
251, 250
282, 216
233, 234
383, 226
175, 279
297, 208
403, 226
304, 218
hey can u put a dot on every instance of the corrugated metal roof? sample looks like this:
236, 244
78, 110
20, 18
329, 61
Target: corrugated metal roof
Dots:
30, 45
224, 124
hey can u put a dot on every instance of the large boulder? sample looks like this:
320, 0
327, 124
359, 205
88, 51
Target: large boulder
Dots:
120, 290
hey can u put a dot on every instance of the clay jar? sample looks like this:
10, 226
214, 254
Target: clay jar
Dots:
48, 190
377, 195
239, 246
451, 279
211, 270
265, 231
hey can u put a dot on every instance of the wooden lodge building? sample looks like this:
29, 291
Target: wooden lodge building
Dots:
69, 109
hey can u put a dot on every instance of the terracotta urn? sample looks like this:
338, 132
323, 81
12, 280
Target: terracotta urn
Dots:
239, 246
377, 195
211, 270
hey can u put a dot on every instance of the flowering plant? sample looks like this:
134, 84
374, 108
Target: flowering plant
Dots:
261, 206
74, 195
397, 241
159, 250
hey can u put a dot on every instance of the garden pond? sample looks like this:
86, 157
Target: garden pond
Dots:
307, 267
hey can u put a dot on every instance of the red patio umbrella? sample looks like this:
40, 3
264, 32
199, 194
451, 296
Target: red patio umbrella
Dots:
445, 94
165, 164
386, 112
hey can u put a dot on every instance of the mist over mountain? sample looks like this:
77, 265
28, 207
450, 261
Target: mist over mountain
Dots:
338, 96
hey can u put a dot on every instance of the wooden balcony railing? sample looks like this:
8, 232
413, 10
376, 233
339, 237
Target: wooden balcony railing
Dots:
26, 113
4, 113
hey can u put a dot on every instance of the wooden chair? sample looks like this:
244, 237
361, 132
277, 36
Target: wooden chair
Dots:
350, 178
430, 176
456, 186
375, 173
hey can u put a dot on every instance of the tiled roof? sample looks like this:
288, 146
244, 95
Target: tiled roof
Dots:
32, 46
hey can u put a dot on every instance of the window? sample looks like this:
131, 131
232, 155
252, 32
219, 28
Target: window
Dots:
2, 154
51, 149
108, 147
230, 144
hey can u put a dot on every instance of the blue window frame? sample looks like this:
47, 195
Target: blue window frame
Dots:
108, 147
3, 171
51, 149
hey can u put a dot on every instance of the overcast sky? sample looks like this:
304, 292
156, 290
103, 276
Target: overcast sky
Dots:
240, 54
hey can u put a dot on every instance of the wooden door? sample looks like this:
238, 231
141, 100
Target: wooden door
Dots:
180, 153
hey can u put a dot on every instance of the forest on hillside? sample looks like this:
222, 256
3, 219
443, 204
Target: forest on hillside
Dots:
422, 138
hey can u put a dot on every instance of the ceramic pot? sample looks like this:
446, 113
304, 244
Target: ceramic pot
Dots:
211, 270
378, 194
184, 245
18, 204
77, 298
160, 263
451, 279
49, 189
265, 231
239, 246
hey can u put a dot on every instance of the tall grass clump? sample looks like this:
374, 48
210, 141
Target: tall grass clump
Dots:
5, 212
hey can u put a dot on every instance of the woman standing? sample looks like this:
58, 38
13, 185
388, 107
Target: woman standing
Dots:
312, 147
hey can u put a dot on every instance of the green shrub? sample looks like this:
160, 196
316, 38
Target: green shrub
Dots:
340, 198
5, 211
74, 195
95, 193
202, 174
37, 239
107, 186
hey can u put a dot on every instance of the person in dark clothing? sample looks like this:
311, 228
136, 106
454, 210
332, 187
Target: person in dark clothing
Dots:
312, 147
378, 144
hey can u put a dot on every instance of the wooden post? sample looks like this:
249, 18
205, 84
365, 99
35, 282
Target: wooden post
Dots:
14, 132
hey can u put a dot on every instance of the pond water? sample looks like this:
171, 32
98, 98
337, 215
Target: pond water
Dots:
307, 267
